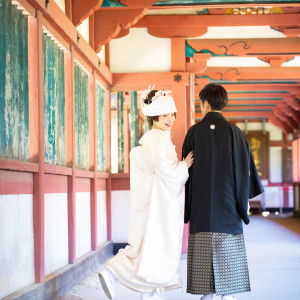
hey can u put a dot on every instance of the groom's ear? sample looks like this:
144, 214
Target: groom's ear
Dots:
207, 105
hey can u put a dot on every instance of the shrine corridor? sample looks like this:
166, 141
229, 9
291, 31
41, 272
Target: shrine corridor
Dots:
273, 247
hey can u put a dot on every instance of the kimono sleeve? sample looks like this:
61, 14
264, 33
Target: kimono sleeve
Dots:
247, 182
165, 164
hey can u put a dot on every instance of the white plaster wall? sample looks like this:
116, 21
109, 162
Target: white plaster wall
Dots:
291, 197
114, 145
275, 164
83, 223
101, 217
140, 52
273, 196
236, 62
83, 29
16, 243
120, 215
275, 132
61, 4
56, 231
239, 32
101, 54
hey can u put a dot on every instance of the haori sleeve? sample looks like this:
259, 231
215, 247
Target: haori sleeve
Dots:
241, 169
165, 163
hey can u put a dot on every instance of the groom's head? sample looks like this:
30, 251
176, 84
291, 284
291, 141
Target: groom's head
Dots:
213, 97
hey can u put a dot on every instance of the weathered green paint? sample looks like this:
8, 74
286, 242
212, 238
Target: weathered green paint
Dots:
14, 113
54, 103
134, 120
112, 3
81, 118
100, 123
146, 126
120, 113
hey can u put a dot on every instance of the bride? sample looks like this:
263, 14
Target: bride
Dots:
150, 263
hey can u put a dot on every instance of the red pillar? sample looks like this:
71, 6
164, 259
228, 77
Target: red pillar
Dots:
93, 163
72, 178
38, 178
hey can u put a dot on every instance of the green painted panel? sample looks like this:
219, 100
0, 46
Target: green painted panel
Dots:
146, 126
81, 118
54, 103
100, 123
111, 3
134, 120
120, 112
14, 113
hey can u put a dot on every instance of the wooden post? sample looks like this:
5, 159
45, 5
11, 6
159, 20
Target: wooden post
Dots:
178, 63
93, 144
108, 160
134, 120
120, 107
126, 133
178, 134
72, 178
38, 178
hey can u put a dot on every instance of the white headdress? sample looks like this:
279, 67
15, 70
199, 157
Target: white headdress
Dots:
160, 104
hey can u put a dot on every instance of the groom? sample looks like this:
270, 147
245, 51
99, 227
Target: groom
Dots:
222, 180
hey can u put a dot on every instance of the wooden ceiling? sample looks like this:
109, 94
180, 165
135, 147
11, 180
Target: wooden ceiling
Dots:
271, 92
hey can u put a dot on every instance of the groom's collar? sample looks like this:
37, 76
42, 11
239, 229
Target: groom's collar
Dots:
213, 115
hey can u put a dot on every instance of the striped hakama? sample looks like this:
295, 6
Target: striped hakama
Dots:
217, 263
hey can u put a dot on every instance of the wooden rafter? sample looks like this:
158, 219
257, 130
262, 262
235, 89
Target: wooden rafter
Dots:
108, 24
280, 124
81, 9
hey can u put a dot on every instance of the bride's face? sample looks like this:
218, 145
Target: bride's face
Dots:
165, 122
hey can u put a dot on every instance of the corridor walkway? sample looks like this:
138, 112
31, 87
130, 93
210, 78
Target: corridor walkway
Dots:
273, 247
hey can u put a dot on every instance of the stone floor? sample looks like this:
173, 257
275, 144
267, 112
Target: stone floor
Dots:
273, 247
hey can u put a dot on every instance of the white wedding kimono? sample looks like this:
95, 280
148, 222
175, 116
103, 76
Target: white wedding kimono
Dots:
151, 261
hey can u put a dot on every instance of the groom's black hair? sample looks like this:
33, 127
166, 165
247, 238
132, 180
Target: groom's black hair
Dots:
215, 95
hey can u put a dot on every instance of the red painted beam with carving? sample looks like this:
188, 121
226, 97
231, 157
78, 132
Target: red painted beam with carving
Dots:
82, 9
241, 47
252, 73
108, 24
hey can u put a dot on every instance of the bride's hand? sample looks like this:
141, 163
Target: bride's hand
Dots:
189, 159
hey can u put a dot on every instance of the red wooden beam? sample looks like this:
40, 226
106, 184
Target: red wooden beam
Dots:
241, 47
280, 124
82, 9
289, 111
293, 88
252, 73
191, 21
108, 24
242, 114
288, 120
140, 81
